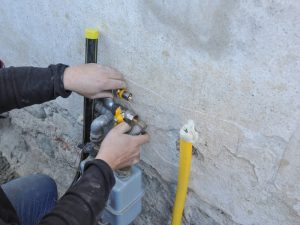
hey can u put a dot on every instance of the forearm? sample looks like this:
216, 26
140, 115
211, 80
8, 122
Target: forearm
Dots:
84, 201
24, 86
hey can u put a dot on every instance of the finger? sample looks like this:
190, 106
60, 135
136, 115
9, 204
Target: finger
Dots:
114, 84
142, 139
122, 128
138, 156
103, 94
135, 161
114, 74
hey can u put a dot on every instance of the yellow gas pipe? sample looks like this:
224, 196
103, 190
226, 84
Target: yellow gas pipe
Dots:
188, 136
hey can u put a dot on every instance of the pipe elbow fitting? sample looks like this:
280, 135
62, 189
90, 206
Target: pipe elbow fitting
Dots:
100, 108
110, 104
98, 126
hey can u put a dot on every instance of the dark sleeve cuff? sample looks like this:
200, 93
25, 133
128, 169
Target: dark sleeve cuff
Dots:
25, 86
59, 88
83, 202
105, 169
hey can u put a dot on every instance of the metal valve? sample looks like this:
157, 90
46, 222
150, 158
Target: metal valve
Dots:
123, 94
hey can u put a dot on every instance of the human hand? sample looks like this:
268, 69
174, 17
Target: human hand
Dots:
119, 150
93, 80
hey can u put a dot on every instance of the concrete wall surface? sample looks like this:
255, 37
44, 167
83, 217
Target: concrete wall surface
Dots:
231, 66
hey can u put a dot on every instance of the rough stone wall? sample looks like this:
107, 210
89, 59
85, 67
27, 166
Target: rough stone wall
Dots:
231, 66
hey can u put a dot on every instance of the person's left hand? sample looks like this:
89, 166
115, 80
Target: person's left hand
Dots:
93, 80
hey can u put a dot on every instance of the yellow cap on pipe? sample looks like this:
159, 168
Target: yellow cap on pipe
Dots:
91, 33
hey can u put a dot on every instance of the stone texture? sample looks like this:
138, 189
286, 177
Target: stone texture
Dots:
231, 66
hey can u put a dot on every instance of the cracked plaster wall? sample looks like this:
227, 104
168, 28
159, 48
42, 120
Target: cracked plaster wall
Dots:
231, 66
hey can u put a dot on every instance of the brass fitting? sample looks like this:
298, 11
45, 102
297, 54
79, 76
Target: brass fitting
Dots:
126, 115
123, 94
130, 117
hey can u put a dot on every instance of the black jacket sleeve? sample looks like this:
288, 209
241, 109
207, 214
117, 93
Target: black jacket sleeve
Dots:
83, 202
24, 86
80, 205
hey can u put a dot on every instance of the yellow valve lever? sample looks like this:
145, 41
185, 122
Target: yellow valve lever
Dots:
119, 116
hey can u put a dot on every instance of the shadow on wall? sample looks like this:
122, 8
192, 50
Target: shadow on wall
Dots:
212, 36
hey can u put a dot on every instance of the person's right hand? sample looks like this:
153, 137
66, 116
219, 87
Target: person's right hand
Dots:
119, 150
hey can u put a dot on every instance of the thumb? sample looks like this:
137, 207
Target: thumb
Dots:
122, 128
142, 139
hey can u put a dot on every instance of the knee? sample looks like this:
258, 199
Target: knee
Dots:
44, 179
46, 183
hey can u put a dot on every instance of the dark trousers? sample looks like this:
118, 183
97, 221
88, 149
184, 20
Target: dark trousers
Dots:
32, 197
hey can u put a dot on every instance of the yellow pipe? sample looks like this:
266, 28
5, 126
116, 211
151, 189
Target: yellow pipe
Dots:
187, 136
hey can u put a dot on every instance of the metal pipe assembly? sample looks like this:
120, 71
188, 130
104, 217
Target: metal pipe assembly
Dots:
188, 136
124, 203
100, 116
98, 126
91, 51
109, 113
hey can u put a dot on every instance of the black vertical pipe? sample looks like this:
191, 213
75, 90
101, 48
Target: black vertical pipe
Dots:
91, 51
